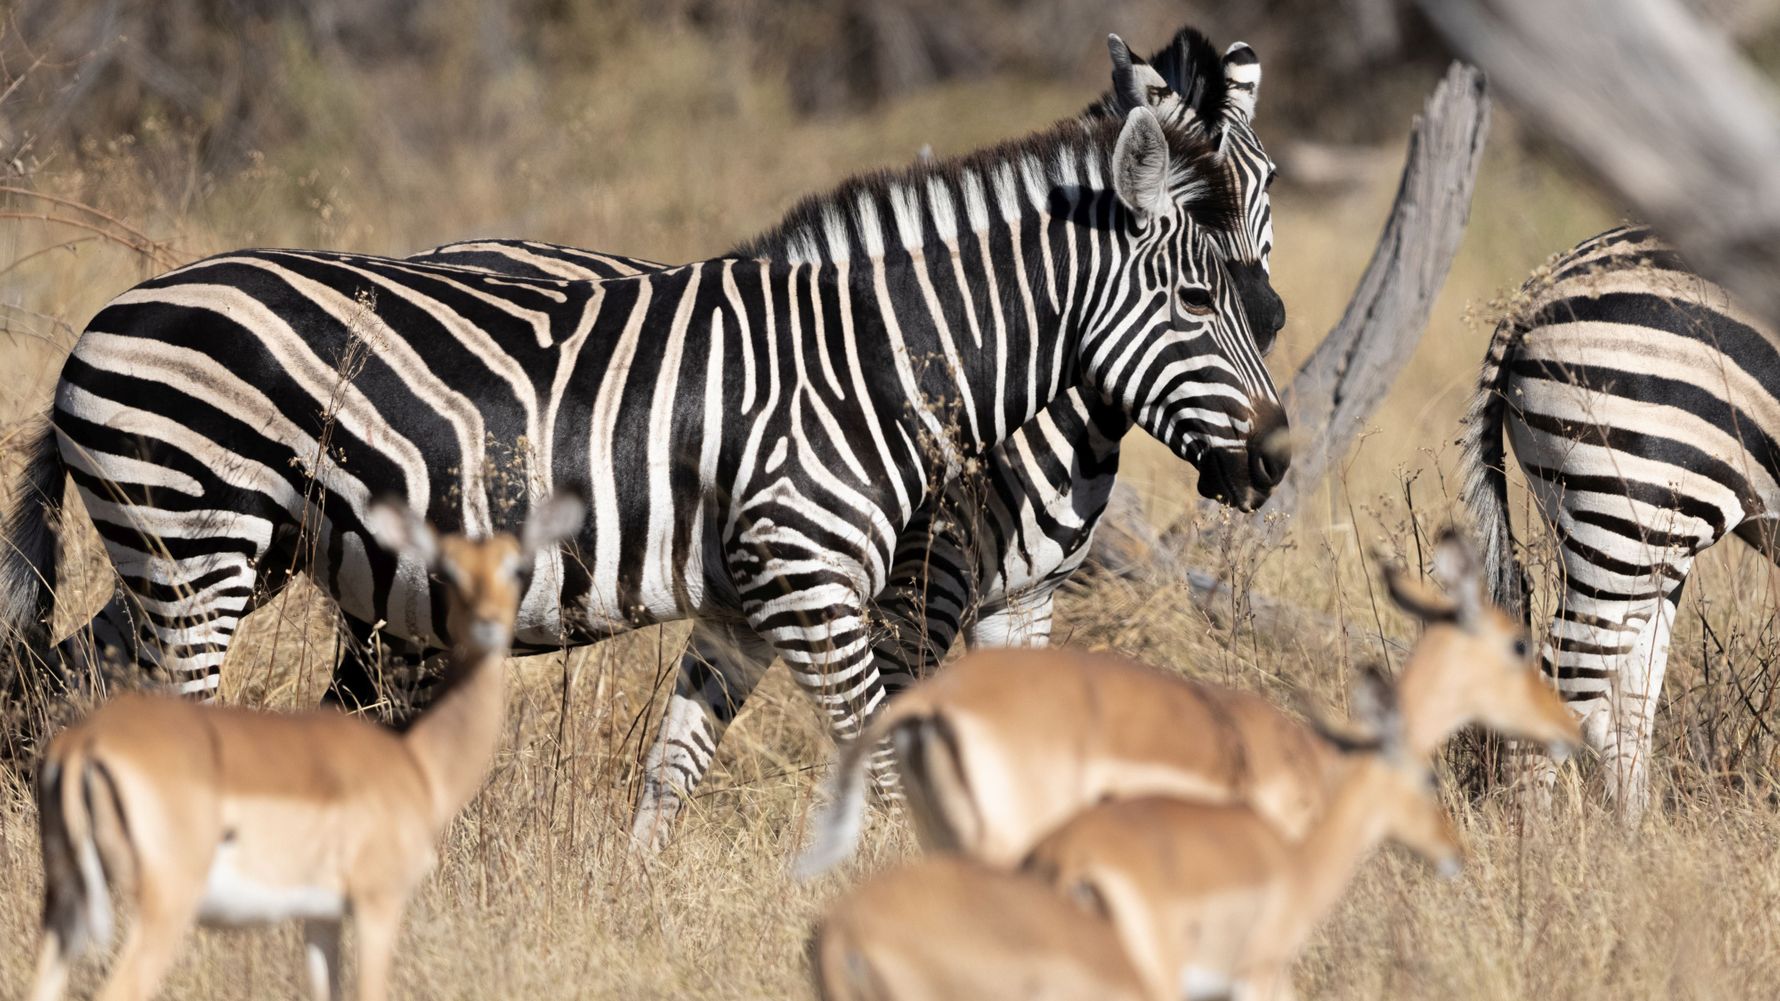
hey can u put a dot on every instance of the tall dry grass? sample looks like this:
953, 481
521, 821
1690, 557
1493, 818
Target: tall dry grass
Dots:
535, 895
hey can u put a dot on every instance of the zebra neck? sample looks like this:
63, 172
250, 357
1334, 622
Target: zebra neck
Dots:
986, 270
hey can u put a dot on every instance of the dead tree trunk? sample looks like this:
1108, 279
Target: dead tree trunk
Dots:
1660, 108
1349, 373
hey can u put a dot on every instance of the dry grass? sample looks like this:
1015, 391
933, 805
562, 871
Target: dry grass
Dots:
535, 896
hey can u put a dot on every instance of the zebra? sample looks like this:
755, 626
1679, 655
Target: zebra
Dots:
753, 432
1014, 533
1641, 404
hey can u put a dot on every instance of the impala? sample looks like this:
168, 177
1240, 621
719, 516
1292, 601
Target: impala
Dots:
227, 816
1003, 747
1212, 900
945, 928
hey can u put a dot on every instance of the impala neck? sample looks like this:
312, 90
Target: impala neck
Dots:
1325, 860
455, 739
1430, 713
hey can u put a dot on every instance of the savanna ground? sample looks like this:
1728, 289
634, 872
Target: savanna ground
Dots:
535, 895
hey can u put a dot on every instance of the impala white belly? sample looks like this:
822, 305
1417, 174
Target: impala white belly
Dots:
235, 897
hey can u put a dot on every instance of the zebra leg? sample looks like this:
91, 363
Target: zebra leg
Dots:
383, 675
930, 596
718, 671
190, 606
821, 634
1607, 648
110, 641
1018, 621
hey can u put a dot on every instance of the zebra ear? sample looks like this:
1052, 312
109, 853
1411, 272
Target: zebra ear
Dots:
1137, 84
399, 529
1140, 165
1242, 81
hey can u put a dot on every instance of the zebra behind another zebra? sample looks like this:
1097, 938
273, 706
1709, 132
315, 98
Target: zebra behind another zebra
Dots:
754, 432
1008, 537
1644, 408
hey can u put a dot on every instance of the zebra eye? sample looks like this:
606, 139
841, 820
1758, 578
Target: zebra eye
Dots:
1272, 175
1196, 301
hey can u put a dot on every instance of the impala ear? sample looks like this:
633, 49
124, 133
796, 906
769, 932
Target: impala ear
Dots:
1455, 568
558, 517
1140, 165
1242, 81
1418, 599
399, 529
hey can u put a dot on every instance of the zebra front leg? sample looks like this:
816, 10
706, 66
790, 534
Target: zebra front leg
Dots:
722, 664
1018, 621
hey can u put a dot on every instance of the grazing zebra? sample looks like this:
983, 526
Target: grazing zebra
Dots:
1642, 404
753, 432
1013, 534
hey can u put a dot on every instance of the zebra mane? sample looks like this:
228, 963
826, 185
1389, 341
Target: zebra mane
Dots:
976, 191
1192, 68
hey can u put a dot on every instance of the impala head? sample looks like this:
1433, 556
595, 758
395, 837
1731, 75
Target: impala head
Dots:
1474, 663
1175, 350
1400, 787
485, 578
1223, 92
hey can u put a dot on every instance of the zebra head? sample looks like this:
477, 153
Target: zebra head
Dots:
1174, 349
1189, 79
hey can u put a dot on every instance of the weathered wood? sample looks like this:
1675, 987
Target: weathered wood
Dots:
1660, 108
1348, 375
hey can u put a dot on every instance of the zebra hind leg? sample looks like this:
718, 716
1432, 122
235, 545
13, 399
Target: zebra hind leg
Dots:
190, 607
720, 668
1608, 649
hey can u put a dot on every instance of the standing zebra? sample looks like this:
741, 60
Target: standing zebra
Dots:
1010, 536
1642, 407
754, 432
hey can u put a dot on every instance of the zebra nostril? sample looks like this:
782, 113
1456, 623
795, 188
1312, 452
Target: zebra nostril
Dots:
1270, 456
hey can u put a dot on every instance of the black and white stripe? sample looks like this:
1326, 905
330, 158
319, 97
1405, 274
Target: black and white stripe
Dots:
987, 555
754, 432
1644, 409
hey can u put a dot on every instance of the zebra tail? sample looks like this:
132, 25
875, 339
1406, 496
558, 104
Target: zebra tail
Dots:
841, 816
76, 900
28, 548
1481, 456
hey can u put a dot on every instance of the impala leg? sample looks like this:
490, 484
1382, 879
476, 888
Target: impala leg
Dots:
721, 666
164, 915
321, 959
376, 925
